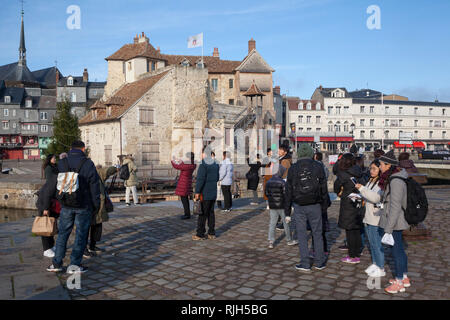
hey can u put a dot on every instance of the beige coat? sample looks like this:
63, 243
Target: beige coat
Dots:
372, 193
132, 180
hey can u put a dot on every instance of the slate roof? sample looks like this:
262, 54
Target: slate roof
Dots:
16, 94
253, 91
213, 64
133, 50
326, 92
254, 63
77, 82
402, 102
365, 93
47, 102
122, 100
46, 76
15, 72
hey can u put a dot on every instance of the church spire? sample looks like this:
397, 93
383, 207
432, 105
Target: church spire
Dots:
22, 49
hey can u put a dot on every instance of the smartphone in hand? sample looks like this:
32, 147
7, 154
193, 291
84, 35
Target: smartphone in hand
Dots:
353, 180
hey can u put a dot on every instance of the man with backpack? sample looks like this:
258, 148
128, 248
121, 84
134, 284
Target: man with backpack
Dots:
306, 190
128, 173
78, 191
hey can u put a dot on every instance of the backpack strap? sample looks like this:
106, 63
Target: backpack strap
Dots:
81, 164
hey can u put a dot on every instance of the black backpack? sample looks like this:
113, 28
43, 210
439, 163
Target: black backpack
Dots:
416, 204
124, 172
306, 186
68, 186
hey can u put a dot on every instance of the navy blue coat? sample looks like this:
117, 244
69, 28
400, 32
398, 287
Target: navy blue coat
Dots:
207, 178
89, 181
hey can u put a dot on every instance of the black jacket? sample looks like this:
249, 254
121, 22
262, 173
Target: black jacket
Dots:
318, 197
350, 217
253, 175
50, 170
89, 183
275, 189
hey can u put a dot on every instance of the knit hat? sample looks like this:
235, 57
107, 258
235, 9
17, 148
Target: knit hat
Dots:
389, 158
305, 151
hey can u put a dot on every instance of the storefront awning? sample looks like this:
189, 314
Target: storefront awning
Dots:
305, 139
336, 139
416, 144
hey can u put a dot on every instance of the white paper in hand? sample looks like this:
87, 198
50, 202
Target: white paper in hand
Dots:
388, 239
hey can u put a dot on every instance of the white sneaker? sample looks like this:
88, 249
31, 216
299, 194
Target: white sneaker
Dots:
371, 268
49, 253
377, 273
292, 242
270, 245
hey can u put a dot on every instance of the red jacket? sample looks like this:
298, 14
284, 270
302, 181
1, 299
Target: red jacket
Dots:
184, 186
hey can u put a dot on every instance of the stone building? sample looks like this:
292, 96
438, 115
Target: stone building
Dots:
153, 102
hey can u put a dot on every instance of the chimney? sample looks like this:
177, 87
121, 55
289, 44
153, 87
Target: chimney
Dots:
57, 77
216, 53
85, 75
158, 50
277, 90
320, 87
135, 39
251, 45
142, 38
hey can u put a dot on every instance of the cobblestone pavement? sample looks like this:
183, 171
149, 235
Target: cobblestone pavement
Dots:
150, 255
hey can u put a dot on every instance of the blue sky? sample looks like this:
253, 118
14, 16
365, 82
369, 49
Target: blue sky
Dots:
308, 42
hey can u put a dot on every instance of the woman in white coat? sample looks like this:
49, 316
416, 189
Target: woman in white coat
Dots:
372, 194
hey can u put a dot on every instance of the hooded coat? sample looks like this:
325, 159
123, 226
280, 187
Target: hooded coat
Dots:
132, 180
350, 217
253, 176
184, 185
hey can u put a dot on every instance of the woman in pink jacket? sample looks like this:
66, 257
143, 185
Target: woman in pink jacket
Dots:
184, 185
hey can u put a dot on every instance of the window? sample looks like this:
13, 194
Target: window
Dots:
231, 83
14, 125
330, 126
108, 111
44, 128
338, 110
5, 125
214, 84
5, 112
362, 109
185, 63
308, 119
387, 122
361, 122
338, 126
308, 106
372, 108
28, 103
444, 123
153, 65
362, 134
44, 116
231, 102
346, 108
430, 134
346, 126
150, 153
431, 123
308, 130
108, 155
443, 112
317, 119
318, 105
318, 129
300, 119
27, 114
7, 99
372, 122
430, 111
146, 116
129, 66
416, 123
300, 129
416, 134
415, 110
330, 110
372, 134
444, 134
70, 81
386, 134
386, 110
400, 122
14, 112
73, 97
400, 110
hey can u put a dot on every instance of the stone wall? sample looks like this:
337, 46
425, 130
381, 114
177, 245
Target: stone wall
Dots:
116, 77
18, 195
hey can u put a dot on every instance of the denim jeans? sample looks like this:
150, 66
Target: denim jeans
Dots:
274, 214
399, 255
374, 235
313, 215
67, 218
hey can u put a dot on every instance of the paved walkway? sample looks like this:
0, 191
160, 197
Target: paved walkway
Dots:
150, 255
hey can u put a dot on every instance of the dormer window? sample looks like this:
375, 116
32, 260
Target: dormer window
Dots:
308, 106
70, 81
185, 63
7, 99
337, 94
94, 114
28, 103
318, 106
300, 106
108, 111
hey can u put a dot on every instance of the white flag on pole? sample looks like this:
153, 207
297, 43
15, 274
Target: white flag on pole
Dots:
195, 41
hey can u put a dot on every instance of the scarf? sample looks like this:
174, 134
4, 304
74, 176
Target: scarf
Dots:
384, 178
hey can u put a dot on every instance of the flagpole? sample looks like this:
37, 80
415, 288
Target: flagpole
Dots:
203, 40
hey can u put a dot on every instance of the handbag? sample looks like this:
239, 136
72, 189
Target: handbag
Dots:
44, 226
197, 210
109, 207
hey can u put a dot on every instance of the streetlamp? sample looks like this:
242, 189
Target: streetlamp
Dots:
352, 126
335, 142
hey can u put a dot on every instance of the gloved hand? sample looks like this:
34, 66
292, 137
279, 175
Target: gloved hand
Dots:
388, 239
287, 219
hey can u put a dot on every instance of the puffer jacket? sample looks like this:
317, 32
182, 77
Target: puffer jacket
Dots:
350, 217
274, 191
226, 173
184, 185
394, 199
253, 176
132, 180
207, 178
372, 193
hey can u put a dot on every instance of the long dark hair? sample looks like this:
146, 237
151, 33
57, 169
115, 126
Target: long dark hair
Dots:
347, 161
47, 161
